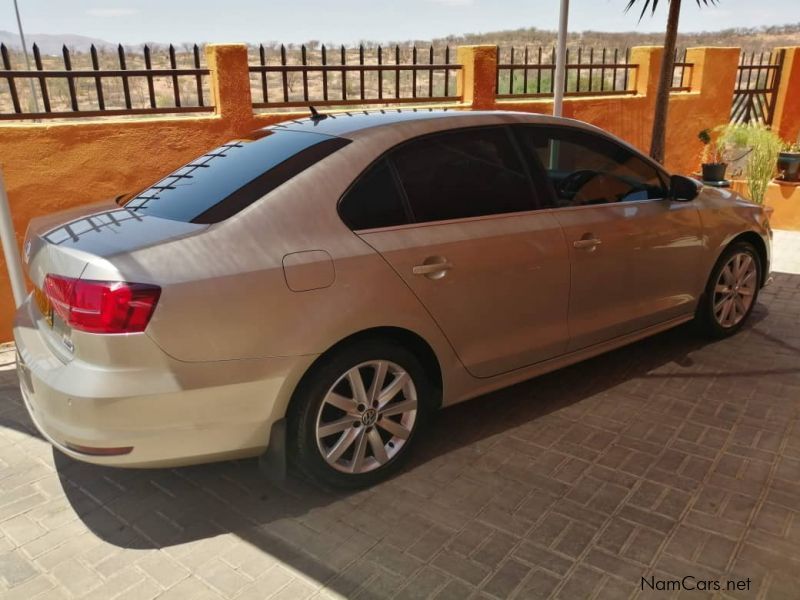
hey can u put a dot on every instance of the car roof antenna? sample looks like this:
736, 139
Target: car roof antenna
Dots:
316, 116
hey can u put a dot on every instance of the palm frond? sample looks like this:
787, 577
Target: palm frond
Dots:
653, 4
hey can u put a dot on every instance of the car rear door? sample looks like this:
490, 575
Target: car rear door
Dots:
465, 233
633, 251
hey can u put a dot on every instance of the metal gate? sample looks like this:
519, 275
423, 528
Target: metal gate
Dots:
756, 87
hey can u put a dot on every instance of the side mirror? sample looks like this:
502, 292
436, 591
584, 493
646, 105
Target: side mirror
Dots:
683, 189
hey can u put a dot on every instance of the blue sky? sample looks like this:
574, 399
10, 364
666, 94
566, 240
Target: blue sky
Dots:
131, 21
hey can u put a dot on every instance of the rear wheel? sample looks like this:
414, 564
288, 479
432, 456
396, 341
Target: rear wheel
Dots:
358, 412
732, 290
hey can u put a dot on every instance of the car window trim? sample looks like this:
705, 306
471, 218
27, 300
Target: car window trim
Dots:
457, 221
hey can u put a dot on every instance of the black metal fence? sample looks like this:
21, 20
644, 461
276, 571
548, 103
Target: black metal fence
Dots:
82, 85
759, 76
529, 72
286, 78
682, 73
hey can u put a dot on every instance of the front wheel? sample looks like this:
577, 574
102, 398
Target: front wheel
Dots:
358, 412
732, 290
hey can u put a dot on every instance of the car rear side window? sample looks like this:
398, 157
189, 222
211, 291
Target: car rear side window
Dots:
224, 181
374, 200
460, 174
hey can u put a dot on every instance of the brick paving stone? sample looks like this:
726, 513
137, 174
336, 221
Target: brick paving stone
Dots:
506, 579
455, 590
672, 456
424, 584
14, 569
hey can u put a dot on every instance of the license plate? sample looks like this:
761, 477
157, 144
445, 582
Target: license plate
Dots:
45, 307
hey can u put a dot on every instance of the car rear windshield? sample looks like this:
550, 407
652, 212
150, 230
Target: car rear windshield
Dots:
224, 181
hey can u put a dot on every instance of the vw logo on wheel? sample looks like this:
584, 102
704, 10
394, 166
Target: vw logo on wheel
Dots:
369, 417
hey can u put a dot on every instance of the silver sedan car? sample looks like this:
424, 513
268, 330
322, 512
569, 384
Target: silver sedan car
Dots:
317, 289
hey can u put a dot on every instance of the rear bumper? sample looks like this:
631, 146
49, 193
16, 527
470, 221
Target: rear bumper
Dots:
169, 412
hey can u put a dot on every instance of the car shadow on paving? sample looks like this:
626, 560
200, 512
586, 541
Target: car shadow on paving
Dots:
673, 456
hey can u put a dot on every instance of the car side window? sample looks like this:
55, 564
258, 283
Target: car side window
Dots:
374, 200
465, 173
585, 168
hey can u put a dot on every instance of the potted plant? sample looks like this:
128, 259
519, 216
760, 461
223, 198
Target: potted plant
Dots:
765, 146
789, 162
713, 165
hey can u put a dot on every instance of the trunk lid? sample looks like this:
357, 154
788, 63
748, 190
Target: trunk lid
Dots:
68, 242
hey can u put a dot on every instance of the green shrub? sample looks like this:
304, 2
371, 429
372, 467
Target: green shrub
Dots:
762, 160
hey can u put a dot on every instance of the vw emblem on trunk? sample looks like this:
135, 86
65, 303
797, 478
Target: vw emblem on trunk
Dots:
27, 251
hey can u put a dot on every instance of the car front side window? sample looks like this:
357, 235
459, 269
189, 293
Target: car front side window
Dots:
584, 168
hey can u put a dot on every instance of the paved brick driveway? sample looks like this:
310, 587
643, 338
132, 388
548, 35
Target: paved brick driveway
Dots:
669, 458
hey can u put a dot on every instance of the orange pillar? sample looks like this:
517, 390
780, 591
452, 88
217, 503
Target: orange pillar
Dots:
230, 82
706, 106
648, 59
477, 79
714, 77
786, 120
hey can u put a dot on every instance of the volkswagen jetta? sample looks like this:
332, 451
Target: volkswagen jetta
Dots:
321, 286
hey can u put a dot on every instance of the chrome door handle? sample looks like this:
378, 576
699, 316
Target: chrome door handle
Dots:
589, 244
433, 269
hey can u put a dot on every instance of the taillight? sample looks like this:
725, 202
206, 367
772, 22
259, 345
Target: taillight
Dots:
102, 306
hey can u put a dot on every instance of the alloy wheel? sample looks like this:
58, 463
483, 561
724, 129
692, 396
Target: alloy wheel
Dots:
366, 417
735, 289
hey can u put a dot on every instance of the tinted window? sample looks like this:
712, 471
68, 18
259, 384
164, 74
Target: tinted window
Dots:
463, 174
374, 200
586, 168
222, 182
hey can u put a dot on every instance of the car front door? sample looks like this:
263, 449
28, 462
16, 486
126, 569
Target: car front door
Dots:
491, 268
633, 251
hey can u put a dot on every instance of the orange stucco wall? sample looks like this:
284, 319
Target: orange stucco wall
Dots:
50, 167
787, 103
783, 199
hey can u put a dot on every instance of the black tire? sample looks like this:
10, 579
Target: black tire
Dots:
304, 448
705, 318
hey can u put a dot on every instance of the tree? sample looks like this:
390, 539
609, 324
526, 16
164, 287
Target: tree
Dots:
657, 143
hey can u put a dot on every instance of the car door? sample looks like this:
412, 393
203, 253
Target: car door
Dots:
491, 268
632, 249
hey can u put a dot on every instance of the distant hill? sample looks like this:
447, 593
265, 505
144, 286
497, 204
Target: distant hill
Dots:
52, 43
749, 38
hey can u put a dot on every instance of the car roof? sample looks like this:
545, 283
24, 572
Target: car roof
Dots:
404, 124
353, 124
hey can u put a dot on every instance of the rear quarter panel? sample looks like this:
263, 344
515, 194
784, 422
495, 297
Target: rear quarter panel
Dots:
225, 295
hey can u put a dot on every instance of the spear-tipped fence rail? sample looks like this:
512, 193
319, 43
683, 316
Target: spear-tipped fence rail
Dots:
529, 72
682, 71
358, 77
99, 105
